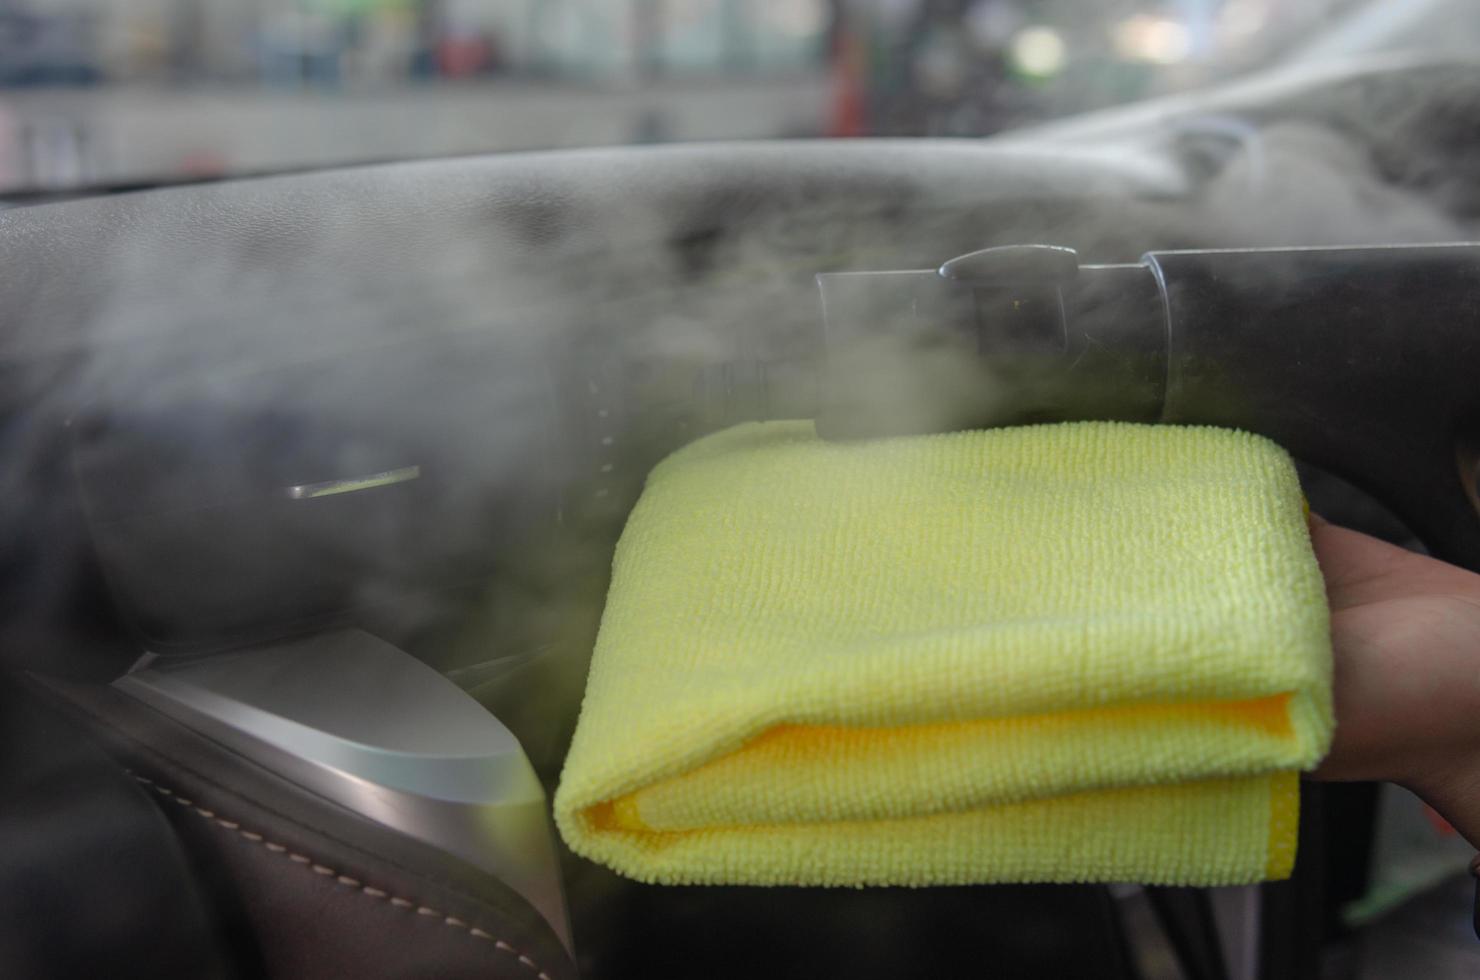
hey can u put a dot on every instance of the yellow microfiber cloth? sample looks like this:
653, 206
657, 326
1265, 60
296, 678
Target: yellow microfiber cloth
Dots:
1078, 652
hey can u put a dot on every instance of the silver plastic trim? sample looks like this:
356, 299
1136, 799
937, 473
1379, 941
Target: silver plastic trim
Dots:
357, 721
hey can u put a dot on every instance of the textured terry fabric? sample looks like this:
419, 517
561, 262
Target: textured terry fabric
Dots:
1080, 652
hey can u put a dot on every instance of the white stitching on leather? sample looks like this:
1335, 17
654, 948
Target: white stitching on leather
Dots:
323, 870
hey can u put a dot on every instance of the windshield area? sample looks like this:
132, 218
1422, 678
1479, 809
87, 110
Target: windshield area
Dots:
751, 488
134, 93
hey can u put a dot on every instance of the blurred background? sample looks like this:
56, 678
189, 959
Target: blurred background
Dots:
112, 93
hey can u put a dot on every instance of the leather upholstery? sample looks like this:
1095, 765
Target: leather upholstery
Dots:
311, 890
93, 881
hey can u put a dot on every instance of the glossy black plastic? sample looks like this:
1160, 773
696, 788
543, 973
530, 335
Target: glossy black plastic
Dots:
1364, 361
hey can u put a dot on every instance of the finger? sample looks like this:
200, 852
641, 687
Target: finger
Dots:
1359, 568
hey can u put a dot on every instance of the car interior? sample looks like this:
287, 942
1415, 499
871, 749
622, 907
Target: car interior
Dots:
312, 483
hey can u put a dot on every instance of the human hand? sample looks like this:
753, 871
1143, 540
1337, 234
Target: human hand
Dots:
1405, 631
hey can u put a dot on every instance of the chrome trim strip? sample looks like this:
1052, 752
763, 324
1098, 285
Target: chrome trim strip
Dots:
330, 488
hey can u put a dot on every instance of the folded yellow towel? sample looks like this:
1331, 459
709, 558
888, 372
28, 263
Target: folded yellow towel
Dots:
1080, 652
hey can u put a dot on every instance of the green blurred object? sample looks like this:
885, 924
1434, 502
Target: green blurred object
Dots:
1414, 851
